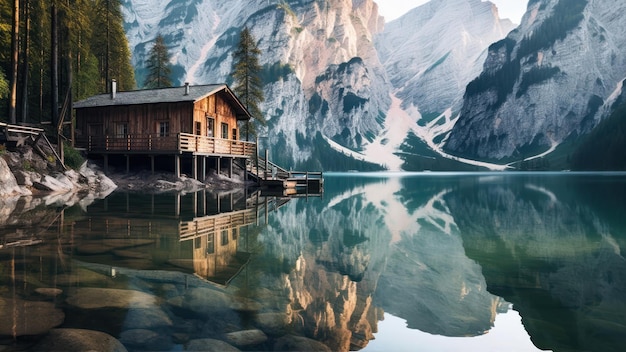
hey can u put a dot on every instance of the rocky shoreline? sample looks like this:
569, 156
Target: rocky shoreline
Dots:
24, 173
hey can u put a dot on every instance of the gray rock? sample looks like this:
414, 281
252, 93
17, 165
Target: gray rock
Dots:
147, 319
70, 340
246, 337
209, 345
145, 340
48, 291
48, 183
203, 301
24, 178
96, 298
299, 343
21, 317
8, 184
273, 323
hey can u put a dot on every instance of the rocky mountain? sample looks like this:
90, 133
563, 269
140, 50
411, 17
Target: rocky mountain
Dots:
430, 55
323, 79
330, 101
554, 77
435, 50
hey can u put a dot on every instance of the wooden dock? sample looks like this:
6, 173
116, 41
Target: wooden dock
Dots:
272, 177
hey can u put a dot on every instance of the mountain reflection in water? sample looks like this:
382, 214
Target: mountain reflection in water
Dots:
448, 254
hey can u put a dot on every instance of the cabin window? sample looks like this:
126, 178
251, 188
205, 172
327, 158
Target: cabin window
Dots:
210, 122
121, 130
164, 129
234, 133
198, 128
224, 237
210, 244
224, 130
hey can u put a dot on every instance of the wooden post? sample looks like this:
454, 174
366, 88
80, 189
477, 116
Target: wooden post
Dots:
60, 146
127, 163
177, 204
106, 163
152, 163
230, 167
203, 169
203, 202
177, 165
194, 167
266, 165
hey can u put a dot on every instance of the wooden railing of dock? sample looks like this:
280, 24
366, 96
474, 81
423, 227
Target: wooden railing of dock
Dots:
182, 142
19, 135
270, 175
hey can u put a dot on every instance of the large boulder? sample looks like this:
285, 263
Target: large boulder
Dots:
209, 345
8, 183
96, 298
299, 343
78, 340
246, 337
20, 317
48, 183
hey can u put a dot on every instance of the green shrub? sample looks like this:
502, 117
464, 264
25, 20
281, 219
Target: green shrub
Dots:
73, 159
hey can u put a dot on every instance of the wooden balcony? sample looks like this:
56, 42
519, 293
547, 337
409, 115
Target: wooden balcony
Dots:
180, 143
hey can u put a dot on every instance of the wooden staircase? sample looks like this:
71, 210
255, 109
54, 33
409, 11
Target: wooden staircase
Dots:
272, 177
14, 136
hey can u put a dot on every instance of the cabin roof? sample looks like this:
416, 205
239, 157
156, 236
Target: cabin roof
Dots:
165, 95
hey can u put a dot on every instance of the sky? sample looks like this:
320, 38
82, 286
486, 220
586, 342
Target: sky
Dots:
392, 9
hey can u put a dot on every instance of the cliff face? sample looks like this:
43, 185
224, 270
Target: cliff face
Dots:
325, 84
553, 77
435, 50
339, 87
321, 71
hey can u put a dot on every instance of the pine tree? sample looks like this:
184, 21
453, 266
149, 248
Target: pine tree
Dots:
110, 45
247, 75
4, 85
158, 65
92, 46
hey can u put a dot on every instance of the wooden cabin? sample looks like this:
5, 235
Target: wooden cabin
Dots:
182, 128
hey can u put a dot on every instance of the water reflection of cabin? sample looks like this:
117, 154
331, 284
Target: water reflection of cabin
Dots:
181, 128
199, 232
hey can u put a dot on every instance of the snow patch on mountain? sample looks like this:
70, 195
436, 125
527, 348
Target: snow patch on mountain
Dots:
431, 54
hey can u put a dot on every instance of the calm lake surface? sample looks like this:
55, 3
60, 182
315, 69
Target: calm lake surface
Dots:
380, 262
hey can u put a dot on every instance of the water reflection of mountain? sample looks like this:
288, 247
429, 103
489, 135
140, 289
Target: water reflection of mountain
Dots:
428, 279
544, 247
320, 264
374, 245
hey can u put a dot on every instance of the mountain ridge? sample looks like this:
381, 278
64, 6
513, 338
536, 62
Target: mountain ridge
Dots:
549, 80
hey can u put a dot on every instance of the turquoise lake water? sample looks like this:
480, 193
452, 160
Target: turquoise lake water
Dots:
379, 262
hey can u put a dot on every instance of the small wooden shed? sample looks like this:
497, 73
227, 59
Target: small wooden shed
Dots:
188, 124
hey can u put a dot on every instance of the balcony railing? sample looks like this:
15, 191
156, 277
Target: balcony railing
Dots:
182, 142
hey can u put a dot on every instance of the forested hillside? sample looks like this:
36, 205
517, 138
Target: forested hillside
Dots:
91, 45
604, 148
